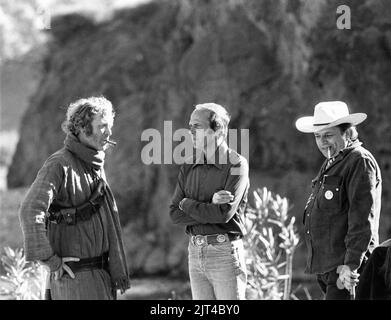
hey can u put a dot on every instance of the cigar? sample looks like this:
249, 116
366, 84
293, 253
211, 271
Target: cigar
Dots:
113, 143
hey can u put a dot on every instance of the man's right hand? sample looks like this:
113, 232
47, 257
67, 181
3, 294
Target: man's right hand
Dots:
222, 197
347, 278
60, 271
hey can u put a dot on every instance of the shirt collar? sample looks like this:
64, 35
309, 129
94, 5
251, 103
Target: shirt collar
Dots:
341, 154
352, 145
220, 157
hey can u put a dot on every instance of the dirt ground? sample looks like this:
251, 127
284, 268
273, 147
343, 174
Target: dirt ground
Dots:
178, 289
157, 289
160, 288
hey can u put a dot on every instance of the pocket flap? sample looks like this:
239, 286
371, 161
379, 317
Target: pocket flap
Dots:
332, 180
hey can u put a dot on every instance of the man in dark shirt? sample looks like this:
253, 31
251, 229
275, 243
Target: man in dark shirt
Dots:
341, 218
209, 199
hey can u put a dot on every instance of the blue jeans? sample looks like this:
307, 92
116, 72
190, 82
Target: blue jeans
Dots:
217, 271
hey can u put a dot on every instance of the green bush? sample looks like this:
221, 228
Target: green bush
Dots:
23, 280
270, 243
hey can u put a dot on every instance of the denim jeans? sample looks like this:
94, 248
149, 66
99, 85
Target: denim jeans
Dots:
217, 271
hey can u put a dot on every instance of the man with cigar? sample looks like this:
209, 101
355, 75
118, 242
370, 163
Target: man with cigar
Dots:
209, 200
341, 217
69, 216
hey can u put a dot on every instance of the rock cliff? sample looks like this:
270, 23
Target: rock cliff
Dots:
268, 61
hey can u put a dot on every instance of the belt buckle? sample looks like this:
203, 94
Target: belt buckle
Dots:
69, 215
220, 238
199, 240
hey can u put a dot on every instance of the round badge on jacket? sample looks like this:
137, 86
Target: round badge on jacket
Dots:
220, 238
329, 195
199, 241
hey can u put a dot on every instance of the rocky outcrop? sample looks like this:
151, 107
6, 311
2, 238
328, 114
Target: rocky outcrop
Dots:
269, 62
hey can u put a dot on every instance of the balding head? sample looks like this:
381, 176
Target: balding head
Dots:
217, 116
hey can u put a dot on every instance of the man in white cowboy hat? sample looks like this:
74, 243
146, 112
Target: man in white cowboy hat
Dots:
341, 217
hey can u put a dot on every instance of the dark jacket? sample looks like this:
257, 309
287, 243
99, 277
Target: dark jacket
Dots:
341, 218
375, 282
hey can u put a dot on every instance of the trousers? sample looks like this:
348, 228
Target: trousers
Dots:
217, 271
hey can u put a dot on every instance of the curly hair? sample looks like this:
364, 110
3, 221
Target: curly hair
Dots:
80, 114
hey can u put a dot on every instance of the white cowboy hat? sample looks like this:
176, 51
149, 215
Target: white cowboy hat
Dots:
329, 114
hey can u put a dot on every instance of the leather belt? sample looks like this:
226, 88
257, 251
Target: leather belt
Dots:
101, 262
71, 216
84, 212
203, 240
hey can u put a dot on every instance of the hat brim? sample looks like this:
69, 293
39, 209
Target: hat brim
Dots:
306, 124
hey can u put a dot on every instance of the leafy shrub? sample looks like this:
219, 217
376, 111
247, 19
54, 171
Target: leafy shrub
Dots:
270, 243
23, 280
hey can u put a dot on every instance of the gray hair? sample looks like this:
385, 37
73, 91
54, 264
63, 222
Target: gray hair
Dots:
219, 117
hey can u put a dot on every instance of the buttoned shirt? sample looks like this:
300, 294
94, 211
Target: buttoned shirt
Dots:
199, 181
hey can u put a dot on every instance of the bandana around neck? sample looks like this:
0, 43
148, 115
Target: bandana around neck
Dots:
92, 157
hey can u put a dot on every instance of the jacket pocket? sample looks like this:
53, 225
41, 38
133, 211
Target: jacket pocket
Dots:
330, 194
